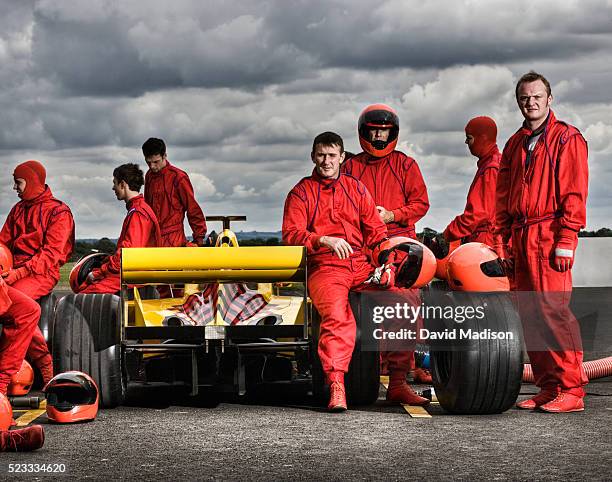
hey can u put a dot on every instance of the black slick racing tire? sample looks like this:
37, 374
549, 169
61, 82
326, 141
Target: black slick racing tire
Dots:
478, 376
87, 338
47, 316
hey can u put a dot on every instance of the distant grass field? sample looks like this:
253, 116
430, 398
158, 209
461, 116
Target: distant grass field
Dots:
64, 274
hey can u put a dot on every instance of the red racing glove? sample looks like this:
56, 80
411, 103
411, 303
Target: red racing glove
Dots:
564, 259
189, 244
13, 275
95, 275
384, 275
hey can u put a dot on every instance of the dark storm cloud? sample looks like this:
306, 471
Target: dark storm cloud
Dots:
113, 48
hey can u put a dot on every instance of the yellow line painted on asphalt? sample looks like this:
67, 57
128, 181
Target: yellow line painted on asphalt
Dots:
413, 410
31, 415
416, 412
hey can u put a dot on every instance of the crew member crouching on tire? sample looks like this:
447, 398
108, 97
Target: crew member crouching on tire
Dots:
477, 222
334, 216
140, 229
39, 231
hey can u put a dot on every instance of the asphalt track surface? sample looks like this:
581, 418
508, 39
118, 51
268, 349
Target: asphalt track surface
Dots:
157, 436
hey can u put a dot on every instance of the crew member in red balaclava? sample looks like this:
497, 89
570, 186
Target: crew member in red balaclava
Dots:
39, 231
477, 222
140, 229
541, 203
335, 218
169, 192
397, 186
19, 316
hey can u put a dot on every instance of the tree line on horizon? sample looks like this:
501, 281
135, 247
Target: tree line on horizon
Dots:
106, 245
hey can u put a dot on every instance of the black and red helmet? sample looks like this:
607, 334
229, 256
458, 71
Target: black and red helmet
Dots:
71, 397
82, 268
378, 116
415, 263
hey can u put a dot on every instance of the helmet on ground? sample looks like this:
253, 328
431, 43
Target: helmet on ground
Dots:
415, 263
6, 258
21, 381
476, 267
379, 116
71, 397
82, 268
6, 412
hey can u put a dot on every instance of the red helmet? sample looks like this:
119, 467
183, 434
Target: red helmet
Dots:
415, 263
6, 258
476, 267
381, 116
84, 266
6, 412
441, 272
21, 382
71, 397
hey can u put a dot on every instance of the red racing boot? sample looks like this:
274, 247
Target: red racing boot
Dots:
337, 393
45, 366
541, 398
564, 403
399, 391
22, 440
422, 375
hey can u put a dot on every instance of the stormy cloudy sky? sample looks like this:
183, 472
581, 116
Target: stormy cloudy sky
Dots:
239, 88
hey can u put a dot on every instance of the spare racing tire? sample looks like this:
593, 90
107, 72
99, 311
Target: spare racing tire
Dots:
87, 338
477, 375
47, 315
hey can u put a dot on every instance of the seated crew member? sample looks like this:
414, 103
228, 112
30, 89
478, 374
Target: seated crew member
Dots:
334, 216
140, 229
477, 222
169, 192
39, 231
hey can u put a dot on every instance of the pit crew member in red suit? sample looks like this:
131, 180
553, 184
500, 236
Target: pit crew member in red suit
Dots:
541, 204
39, 231
140, 229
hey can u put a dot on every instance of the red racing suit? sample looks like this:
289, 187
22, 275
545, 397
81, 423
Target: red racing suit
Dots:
40, 234
140, 229
170, 195
542, 206
477, 222
341, 208
19, 316
395, 183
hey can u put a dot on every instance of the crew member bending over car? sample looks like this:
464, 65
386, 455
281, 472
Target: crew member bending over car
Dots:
334, 216
541, 203
39, 231
169, 192
140, 229
477, 222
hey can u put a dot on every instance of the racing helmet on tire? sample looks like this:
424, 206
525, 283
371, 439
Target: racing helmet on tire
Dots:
82, 268
379, 116
21, 381
72, 397
476, 267
415, 263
